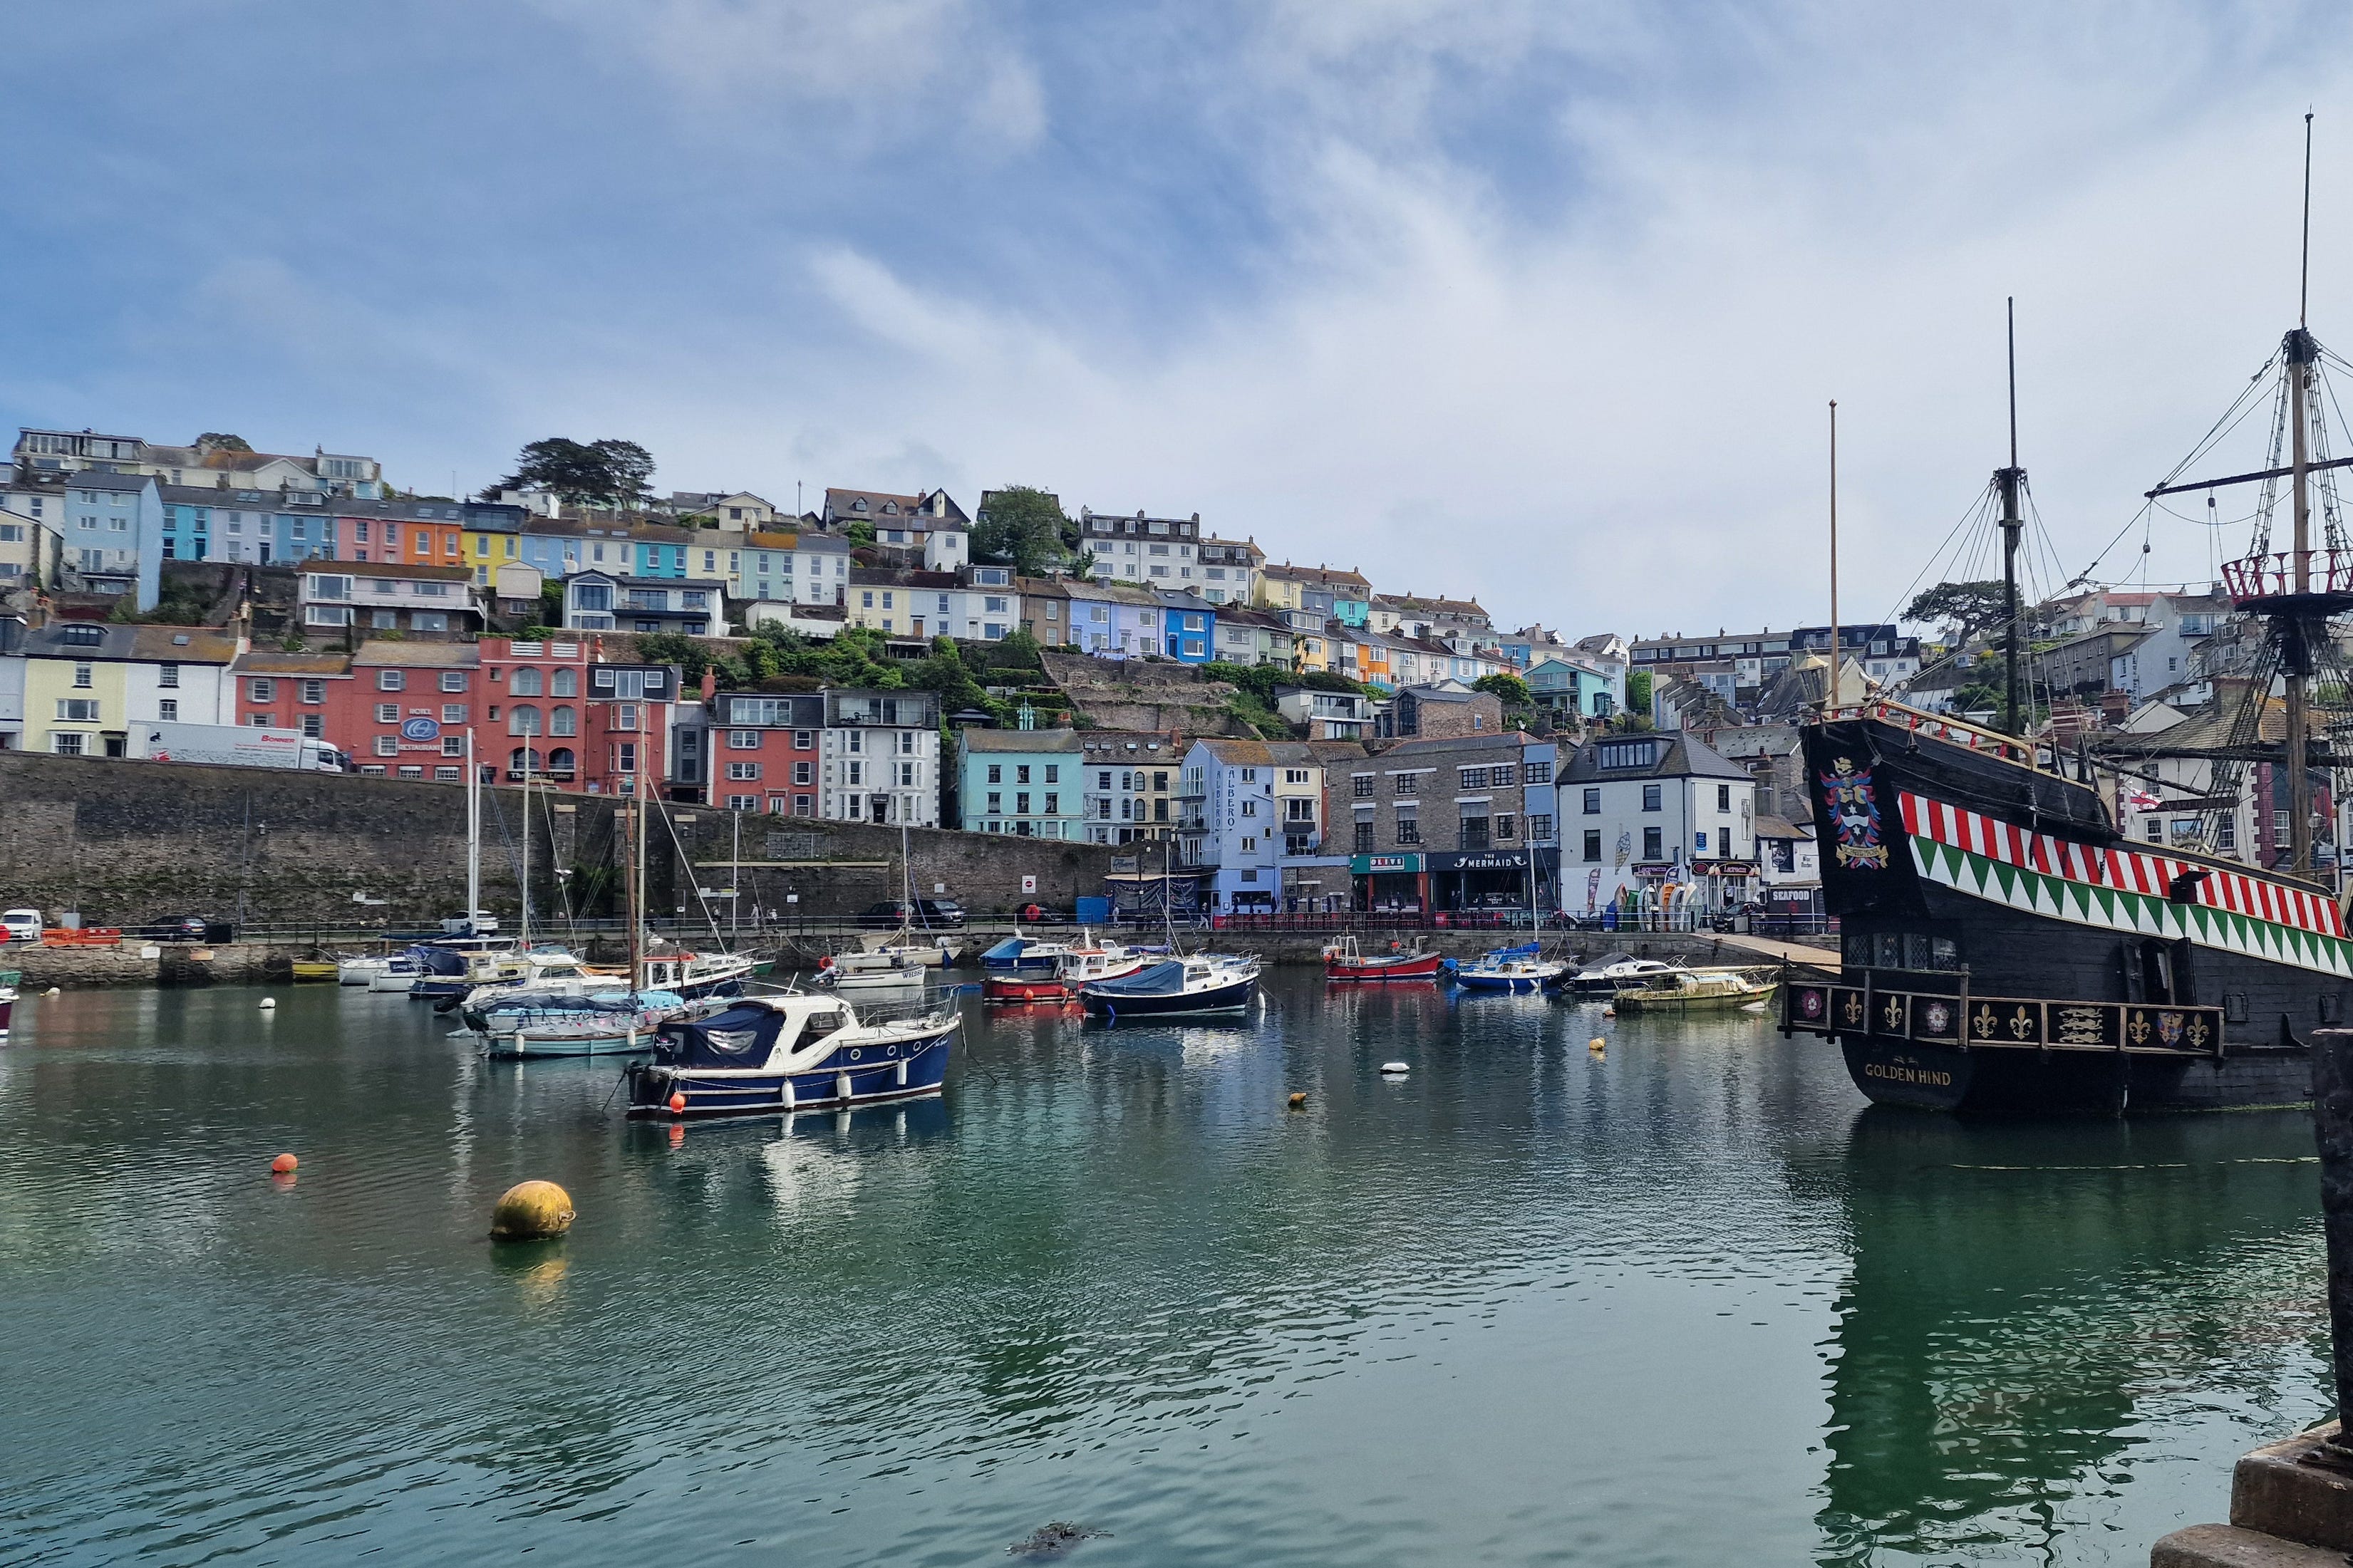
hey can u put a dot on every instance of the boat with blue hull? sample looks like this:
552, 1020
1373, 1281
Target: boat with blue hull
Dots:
766, 1054
1179, 987
1520, 974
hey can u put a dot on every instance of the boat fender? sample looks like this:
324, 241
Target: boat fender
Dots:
677, 1103
826, 962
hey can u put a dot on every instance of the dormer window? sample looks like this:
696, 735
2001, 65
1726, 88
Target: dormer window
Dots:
858, 505
84, 636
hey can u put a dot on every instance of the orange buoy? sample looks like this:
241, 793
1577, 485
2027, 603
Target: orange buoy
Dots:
1297, 1100
678, 1103
283, 1165
531, 1211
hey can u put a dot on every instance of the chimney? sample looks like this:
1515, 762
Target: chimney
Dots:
710, 682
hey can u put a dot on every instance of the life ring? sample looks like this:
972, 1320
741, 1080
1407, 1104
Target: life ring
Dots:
1031, 914
826, 962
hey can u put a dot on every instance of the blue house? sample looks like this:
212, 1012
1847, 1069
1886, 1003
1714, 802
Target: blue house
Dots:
1026, 783
1560, 685
560, 547
1111, 620
113, 532
1188, 627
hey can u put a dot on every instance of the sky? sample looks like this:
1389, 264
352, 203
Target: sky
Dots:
1543, 302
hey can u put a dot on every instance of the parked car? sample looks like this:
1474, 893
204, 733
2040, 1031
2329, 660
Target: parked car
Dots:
184, 928
20, 925
936, 914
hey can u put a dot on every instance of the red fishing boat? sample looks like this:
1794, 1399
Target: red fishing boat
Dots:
1344, 961
1076, 967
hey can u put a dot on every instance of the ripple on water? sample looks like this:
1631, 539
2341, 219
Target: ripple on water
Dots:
1476, 1313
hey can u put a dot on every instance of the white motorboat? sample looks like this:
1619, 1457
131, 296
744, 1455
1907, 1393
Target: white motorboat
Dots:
400, 972
352, 970
1622, 974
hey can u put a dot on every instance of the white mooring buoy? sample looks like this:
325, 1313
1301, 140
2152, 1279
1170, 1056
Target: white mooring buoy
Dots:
1394, 1069
269, 1003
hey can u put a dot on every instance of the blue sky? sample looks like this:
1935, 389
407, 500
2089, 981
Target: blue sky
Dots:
1539, 301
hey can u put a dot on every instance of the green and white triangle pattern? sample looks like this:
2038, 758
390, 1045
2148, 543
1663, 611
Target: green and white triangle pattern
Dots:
2115, 909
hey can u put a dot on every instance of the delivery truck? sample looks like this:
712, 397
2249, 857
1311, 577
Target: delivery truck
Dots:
235, 746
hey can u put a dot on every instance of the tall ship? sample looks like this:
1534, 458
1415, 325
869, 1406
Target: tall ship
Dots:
2005, 949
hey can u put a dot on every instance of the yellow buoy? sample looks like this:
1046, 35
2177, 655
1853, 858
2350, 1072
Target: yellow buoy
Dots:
1297, 1100
531, 1211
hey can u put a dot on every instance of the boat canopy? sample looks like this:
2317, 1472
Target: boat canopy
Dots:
1006, 952
746, 1034
1165, 979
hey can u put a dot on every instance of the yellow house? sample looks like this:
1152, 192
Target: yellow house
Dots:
87, 684
1311, 651
487, 549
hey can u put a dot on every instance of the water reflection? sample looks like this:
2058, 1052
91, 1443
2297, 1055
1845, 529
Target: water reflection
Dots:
2020, 1298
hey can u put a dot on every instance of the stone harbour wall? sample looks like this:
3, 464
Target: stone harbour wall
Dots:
126, 842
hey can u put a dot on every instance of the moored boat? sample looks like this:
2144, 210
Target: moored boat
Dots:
1719, 990
1617, 975
613, 1023
1080, 964
1344, 959
1175, 987
771, 1054
9, 980
1515, 973
395, 974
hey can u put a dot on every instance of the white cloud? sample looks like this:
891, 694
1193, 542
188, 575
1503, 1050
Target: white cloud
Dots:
1598, 400
893, 68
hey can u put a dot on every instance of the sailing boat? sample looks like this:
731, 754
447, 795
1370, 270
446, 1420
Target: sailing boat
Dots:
898, 961
1516, 969
594, 1017
2007, 950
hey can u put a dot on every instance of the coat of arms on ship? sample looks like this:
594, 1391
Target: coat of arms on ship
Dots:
1854, 812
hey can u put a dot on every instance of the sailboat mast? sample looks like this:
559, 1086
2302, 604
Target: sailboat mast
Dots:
2296, 654
2010, 481
526, 849
474, 834
1830, 690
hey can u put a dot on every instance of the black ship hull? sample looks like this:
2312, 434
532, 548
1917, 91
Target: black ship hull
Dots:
2005, 953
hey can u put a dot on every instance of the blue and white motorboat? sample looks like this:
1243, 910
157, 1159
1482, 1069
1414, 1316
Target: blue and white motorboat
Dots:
771, 1054
1024, 957
1177, 987
1495, 955
1496, 973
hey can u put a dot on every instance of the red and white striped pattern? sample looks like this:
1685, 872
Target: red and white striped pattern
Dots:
2127, 871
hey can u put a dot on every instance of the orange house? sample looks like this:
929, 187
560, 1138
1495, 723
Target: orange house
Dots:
404, 532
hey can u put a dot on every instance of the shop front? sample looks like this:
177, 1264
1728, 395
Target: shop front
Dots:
1489, 881
1389, 884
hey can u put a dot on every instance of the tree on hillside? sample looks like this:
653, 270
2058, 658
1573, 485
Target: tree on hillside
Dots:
1970, 607
213, 441
1022, 527
1638, 693
599, 473
1509, 689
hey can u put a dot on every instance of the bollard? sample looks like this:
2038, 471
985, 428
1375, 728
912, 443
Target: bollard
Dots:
2332, 1126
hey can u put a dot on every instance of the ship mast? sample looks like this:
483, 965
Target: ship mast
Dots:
2008, 481
2286, 591
2296, 655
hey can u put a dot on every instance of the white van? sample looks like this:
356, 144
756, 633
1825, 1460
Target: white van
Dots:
21, 925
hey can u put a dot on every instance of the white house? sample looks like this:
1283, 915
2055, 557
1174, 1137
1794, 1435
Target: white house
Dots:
879, 758
1654, 811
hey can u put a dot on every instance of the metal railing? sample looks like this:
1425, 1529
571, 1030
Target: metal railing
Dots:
2268, 577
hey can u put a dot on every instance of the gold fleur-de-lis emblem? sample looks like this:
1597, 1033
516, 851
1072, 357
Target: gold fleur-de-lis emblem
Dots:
2136, 1027
2197, 1033
1982, 1024
1854, 1009
2021, 1024
1893, 1012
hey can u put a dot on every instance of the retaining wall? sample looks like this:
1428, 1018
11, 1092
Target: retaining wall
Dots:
128, 843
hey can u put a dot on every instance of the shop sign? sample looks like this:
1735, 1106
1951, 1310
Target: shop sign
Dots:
1482, 860
1382, 865
420, 730
1654, 868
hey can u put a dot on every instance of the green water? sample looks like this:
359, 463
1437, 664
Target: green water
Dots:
1682, 1304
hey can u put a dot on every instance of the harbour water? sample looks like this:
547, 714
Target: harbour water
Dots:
1684, 1303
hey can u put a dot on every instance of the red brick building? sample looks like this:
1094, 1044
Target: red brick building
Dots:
404, 710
